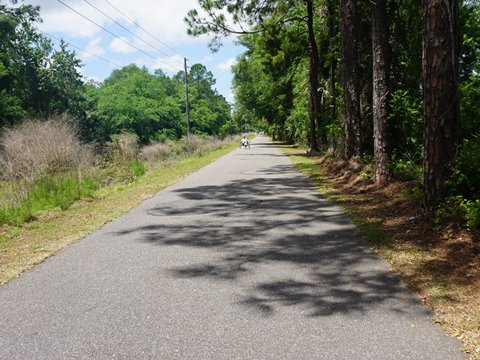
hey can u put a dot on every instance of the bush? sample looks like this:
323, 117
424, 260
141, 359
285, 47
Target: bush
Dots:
35, 148
466, 173
460, 210
124, 148
156, 151
472, 213
43, 166
406, 169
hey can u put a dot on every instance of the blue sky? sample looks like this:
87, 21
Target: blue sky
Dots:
164, 46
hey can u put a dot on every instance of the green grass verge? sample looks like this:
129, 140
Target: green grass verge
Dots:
59, 191
23, 246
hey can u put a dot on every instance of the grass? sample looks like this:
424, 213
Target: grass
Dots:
59, 191
441, 266
25, 245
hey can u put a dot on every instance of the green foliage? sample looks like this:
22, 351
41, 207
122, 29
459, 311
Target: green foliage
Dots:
132, 100
407, 122
367, 175
472, 213
152, 105
137, 168
406, 169
458, 209
469, 103
469, 18
35, 79
465, 180
49, 192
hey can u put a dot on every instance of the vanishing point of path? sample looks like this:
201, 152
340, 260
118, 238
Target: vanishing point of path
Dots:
241, 260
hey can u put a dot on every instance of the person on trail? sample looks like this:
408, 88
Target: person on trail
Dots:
244, 142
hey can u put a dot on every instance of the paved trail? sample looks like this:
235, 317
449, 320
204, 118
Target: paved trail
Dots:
242, 260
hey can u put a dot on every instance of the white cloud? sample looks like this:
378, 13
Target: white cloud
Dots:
94, 48
120, 45
162, 18
61, 18
170, 64
227, 65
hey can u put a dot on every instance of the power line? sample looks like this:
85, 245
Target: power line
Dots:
111, 33
126, 29
79, 48
145, 30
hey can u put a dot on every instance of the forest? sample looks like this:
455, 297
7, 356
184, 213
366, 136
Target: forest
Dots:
382, 81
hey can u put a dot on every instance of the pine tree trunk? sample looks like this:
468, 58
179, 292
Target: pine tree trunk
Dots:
380, 90
313, 80
440, 86
333, 62
350, 79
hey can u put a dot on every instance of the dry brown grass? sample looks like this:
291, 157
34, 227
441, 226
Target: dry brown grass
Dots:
156, 151
185, 147
36, 147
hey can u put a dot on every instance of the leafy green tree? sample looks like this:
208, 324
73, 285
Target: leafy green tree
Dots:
133, 100
35, 79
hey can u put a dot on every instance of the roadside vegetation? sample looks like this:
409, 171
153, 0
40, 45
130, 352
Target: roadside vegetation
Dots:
56, 189
75, 153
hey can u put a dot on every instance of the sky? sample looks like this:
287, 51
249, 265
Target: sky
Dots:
155, 28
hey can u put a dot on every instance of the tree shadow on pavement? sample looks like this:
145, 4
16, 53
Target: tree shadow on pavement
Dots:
269, 220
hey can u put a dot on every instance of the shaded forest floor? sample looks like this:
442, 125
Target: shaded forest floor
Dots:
441, 264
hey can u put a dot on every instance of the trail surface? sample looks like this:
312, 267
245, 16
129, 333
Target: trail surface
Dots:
241, 260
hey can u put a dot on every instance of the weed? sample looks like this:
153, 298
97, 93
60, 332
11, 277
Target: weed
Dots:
59, 191
137, 168
373, 232
367, 175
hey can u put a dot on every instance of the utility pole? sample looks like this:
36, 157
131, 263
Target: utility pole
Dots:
186, 97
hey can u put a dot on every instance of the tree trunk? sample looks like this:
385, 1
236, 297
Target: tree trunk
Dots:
313, 79
380, 90
333, 62
350, 79
440, 96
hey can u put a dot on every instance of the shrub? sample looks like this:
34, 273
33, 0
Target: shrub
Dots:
124, 148
472, 213
459, 209
156, 151
466, 173
35, 148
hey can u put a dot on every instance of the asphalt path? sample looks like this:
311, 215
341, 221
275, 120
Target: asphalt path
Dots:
241, 260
